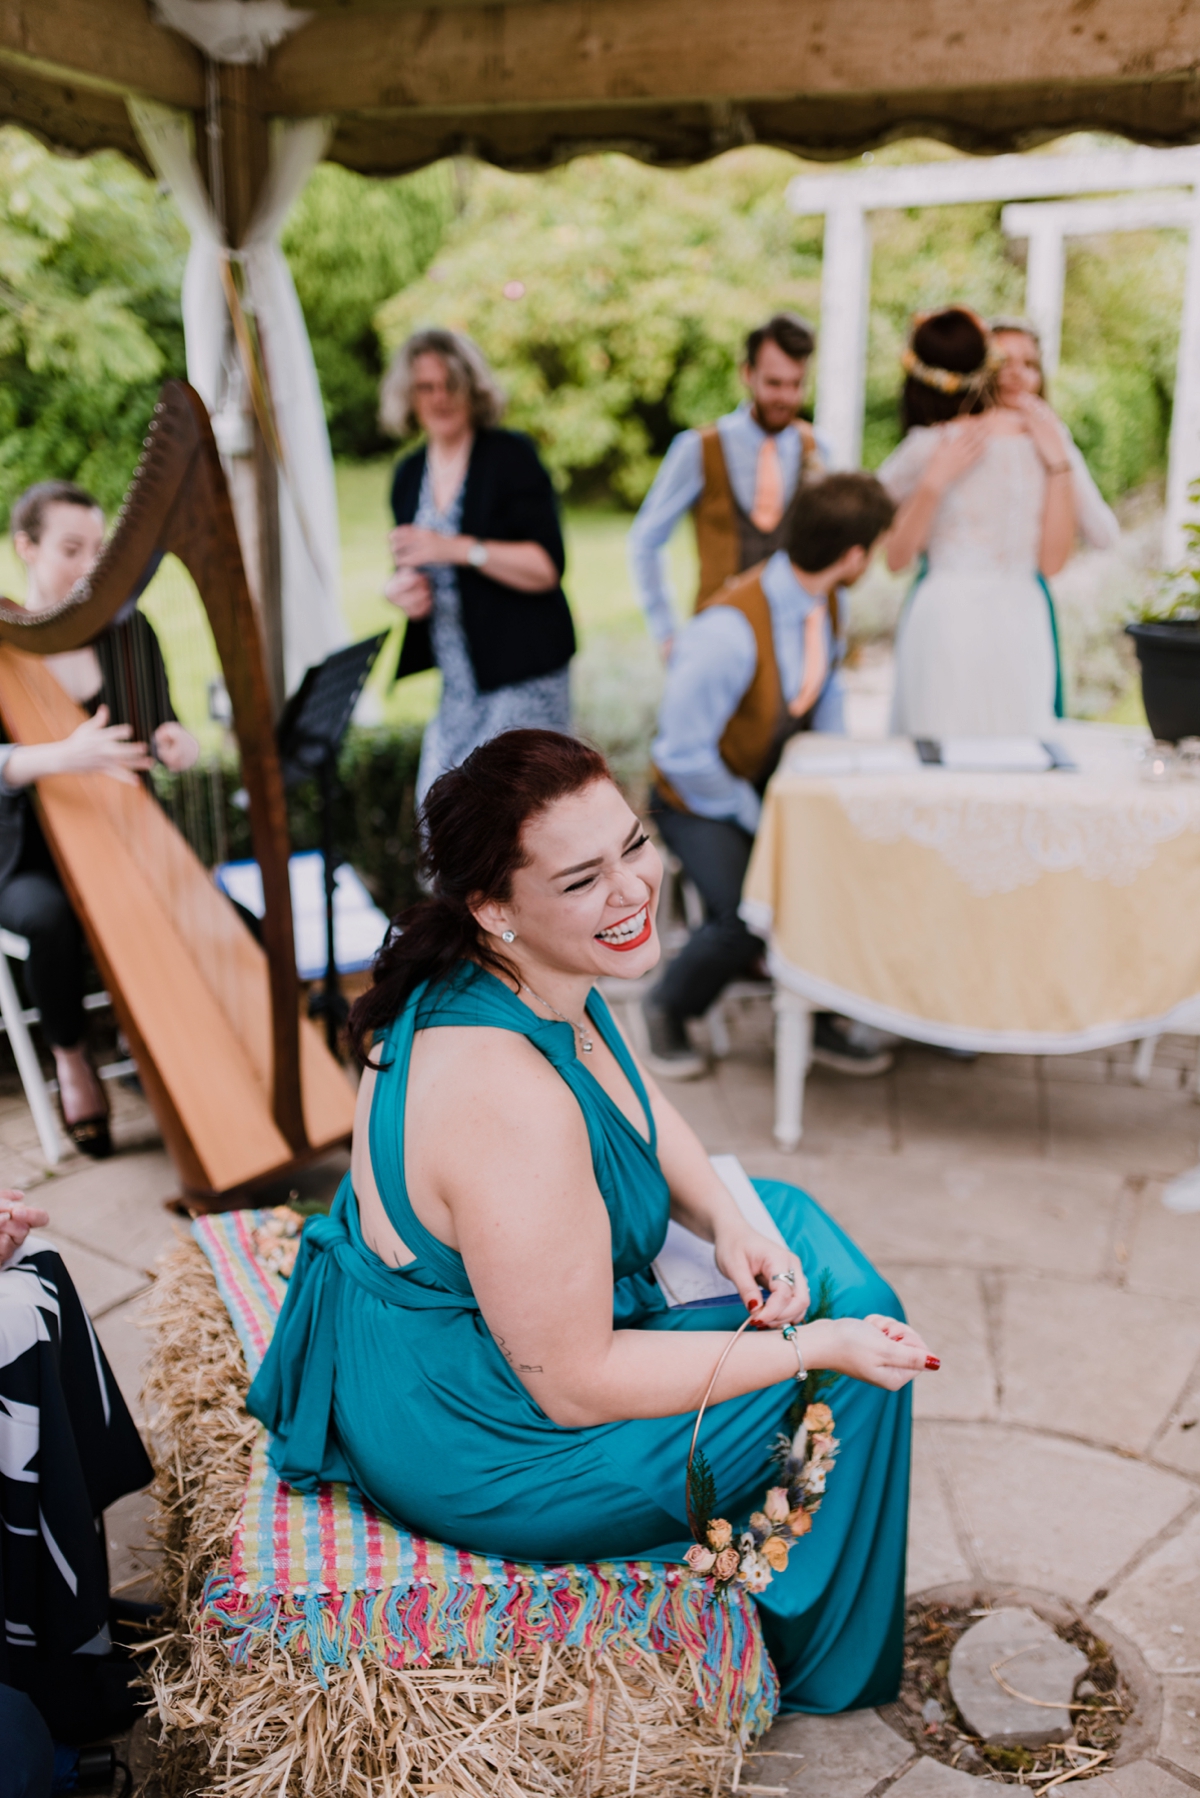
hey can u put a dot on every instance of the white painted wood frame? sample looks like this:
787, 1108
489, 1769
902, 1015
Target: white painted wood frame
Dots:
845, 199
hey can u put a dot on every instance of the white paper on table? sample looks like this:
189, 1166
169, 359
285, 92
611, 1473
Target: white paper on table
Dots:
816, 754
995, 755
686, 1269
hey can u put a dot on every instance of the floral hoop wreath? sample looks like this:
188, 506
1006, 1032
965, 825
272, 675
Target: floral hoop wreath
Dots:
804, 1458
948, 380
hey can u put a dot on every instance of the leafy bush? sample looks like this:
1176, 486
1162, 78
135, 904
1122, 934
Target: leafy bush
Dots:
374, 826
91, 262
350, 243
614, 299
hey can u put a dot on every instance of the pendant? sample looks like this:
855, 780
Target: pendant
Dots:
585, 1044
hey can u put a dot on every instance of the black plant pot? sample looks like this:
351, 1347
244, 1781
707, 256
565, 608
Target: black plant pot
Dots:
1170, 659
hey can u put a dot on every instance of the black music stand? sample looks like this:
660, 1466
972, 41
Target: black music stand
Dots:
309, 735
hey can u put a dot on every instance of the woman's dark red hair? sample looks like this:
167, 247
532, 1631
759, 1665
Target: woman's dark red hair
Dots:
471, 827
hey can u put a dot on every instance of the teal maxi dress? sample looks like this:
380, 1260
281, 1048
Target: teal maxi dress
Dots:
389, 1378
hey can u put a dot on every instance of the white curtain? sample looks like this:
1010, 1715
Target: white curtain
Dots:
308, 524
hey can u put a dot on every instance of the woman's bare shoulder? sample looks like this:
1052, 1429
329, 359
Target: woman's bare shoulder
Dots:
487, 1070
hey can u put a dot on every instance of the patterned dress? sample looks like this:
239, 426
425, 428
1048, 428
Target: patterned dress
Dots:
466, 717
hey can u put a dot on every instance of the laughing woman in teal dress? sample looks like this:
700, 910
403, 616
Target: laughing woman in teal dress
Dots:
474, 1337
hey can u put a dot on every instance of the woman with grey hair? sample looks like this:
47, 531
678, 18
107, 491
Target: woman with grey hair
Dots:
478, 552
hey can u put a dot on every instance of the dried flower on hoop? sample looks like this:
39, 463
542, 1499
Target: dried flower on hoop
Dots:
804, 1456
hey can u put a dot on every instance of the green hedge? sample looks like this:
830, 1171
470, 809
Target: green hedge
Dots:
374, 828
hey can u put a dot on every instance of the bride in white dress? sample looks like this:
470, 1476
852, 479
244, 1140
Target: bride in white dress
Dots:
991, 492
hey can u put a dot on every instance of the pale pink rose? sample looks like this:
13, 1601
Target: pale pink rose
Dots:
800, 1522
777, 1504
822, 1447
727, 1563
720, 1533
699, 1558
819, 1419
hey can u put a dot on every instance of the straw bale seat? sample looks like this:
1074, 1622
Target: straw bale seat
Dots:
315, 1648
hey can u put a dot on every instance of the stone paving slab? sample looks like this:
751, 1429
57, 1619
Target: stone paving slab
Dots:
1158, 1605
1178, 1444
1137, 1130
834, 1757
932, 1779
101, 1280
1054, 1515
1093, 1361
1180, 1739
948, 1306
1017, 1214
1164, 1250
1141, 1779
935, 1557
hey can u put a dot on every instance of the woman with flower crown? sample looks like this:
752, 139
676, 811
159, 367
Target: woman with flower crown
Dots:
475, 1337
991, 493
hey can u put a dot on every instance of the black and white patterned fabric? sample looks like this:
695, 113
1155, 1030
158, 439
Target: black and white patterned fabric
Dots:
68, 1449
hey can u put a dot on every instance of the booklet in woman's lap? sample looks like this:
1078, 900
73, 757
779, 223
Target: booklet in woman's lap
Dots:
686, 1267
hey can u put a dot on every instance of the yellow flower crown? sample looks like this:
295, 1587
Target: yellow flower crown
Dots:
947, 380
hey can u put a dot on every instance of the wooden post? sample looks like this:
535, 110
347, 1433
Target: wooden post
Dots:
235, 127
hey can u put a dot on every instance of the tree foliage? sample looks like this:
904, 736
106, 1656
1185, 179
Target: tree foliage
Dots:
614, 299
91, 260
351, 242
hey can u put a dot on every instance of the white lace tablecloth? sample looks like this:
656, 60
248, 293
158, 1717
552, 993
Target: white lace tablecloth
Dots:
1024, 912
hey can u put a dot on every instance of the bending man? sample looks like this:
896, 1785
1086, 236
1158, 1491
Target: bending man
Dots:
758, 664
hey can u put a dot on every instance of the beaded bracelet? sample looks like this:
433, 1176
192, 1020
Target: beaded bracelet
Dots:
791, 1335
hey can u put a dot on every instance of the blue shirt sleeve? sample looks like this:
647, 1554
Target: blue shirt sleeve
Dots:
677, 486
711, 666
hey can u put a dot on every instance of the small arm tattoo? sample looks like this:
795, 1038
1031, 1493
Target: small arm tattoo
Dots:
517, 1366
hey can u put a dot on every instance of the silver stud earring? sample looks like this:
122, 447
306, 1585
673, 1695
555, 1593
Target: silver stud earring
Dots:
508, 936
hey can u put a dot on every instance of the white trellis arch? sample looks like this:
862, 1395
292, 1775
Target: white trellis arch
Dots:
846, 200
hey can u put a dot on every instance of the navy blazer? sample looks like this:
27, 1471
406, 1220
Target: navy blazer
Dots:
508, 498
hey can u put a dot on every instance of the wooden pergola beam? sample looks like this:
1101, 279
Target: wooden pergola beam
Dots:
659, 52
101, 46
531, 83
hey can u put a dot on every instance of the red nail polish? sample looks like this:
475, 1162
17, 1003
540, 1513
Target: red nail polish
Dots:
932, 1363
753, 1304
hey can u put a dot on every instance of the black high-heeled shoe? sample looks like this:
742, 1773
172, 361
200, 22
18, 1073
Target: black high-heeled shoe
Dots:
90, 1135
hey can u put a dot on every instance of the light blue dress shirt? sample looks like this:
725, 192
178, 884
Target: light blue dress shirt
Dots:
711, 666
679, 484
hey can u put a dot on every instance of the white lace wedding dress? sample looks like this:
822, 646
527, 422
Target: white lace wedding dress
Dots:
975, 651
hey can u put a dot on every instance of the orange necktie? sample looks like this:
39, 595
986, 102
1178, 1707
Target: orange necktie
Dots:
768, 488
816, 663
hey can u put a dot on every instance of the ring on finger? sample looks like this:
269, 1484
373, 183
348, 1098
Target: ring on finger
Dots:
789, 1275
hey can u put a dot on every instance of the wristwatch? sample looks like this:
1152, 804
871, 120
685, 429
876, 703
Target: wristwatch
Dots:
477, 555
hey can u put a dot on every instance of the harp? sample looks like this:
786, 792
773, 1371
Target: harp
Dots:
242, 1086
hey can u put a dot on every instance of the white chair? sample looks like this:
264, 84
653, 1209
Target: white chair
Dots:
15, 1022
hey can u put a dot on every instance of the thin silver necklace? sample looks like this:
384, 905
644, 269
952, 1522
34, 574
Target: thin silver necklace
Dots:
586, 1045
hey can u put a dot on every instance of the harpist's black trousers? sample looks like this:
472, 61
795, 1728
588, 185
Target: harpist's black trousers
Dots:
33, 905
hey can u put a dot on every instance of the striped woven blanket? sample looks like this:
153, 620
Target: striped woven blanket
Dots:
327, 1576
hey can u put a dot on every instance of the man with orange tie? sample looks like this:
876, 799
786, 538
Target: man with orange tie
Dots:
755, 665
739, 477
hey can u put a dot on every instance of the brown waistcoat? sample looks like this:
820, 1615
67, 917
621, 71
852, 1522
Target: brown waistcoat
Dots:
728, 541
753, 739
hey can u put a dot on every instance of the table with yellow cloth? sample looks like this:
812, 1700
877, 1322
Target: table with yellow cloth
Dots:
1021, 913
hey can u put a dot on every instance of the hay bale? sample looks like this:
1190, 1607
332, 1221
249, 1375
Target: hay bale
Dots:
553, 1722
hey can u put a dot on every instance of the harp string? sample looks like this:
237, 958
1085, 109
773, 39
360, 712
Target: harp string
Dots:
163, 666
